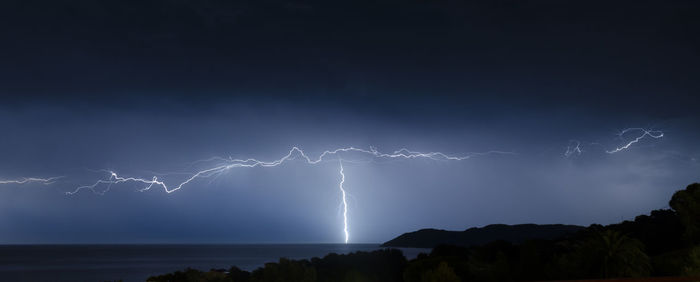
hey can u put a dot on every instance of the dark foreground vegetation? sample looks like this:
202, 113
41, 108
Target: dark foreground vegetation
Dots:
664, 243
519, 233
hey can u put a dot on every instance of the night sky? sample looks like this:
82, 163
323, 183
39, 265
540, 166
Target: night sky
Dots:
147, 88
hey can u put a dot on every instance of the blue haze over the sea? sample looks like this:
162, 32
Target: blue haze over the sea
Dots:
138, 262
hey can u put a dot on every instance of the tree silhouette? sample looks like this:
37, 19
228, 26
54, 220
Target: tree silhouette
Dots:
618, 255
443, 273
692, 267
687, 204
285, 270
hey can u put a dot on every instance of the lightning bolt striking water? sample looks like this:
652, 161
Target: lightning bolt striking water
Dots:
345, 203
294, 153
25, 180
651, 133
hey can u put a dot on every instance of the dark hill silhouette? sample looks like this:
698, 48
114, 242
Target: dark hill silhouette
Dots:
430, 238
663, 243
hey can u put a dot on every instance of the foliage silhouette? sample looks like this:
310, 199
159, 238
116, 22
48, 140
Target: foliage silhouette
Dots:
663, 243
687, 204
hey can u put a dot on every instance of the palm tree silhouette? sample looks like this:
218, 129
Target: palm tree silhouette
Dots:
619, 255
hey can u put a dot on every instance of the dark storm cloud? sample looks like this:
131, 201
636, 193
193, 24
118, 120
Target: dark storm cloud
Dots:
153, 85
599, 55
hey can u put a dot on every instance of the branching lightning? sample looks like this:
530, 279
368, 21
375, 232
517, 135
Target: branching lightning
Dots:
222, 165
651, 133
218, 165
574, 147
295, 153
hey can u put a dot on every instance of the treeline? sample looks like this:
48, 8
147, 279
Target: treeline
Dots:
381, 265
664, 243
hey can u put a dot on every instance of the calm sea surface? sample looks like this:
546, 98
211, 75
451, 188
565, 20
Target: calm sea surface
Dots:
138, 262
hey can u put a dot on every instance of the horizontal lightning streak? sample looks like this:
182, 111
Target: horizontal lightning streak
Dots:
26, 180
294, 153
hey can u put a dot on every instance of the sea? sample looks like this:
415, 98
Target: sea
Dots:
138, 262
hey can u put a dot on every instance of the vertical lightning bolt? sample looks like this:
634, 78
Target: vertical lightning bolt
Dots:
345, 203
